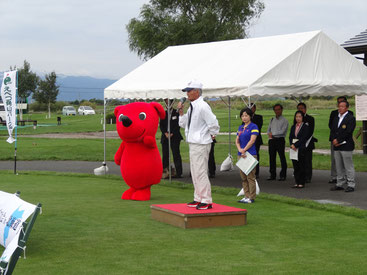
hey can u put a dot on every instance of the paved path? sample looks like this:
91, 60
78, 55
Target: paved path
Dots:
317, 190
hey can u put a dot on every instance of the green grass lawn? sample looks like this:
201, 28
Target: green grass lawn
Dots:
85, 228
72, 124
92, 150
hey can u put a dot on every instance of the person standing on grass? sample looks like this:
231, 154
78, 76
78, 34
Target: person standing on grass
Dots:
175, 139
277, 131
298, 136
310, 144
341, 136
334, 114
246, 138
201, 125
258, 120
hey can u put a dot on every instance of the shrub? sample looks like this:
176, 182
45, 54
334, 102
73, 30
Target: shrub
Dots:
88, 103
41, 107
110, 117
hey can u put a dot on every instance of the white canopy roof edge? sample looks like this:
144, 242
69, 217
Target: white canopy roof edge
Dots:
307, 63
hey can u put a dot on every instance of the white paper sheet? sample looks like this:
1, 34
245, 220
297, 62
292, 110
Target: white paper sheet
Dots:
293, 154
247, 164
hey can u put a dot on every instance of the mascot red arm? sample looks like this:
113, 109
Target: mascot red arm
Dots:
138, 155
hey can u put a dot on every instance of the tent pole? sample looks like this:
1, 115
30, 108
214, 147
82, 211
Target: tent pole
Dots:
229, 125
229, 121
364, 137
364, 122
169, 112
16, 126
104, 136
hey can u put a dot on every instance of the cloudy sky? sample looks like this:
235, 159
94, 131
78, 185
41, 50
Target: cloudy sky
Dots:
89, 38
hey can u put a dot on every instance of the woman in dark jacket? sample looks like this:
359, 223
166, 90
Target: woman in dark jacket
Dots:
298, 137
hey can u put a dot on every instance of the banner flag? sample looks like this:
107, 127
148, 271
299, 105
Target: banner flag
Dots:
13, 212
8, 94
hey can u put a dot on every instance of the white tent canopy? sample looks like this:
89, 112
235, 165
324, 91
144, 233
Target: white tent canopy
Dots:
298, 64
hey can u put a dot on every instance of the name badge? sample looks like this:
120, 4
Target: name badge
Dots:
174, 117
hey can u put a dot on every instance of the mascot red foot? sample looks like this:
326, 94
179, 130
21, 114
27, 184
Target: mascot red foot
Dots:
138, 155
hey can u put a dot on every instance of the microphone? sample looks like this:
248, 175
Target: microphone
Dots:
181, 102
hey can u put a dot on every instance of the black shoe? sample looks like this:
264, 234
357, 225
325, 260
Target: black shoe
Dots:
332, 181
349, 189
204, 206
336, 188
271, 178
193, 204
281, 179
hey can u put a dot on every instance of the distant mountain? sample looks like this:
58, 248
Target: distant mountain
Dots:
81, 87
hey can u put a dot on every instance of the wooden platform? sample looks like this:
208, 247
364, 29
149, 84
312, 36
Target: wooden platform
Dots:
185, 217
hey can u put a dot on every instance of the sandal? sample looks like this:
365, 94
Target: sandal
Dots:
301, 186
295, 186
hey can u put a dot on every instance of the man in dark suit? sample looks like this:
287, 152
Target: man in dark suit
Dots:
334, 114
258, 120
175, 139
341, 135
310, 144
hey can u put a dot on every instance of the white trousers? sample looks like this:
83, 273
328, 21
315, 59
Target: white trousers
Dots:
199, 155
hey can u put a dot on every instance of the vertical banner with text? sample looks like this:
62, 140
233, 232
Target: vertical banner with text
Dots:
8, 94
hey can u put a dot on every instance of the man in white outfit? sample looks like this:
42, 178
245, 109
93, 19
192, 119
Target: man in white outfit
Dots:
201, 126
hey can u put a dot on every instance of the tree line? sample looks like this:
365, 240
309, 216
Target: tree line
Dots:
43, 90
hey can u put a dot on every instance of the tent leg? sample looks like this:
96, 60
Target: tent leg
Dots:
229, 122
364, 137
104, 136
229, 126
169, 105
103, 169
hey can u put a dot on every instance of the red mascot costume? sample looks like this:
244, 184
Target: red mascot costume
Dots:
138, 155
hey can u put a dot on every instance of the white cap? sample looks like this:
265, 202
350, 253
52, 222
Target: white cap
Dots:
193, 84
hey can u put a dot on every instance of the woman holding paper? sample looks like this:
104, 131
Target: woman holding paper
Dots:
245, 142
298, 137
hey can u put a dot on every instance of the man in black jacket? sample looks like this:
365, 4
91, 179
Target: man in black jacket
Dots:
310, 144
258, 120
341, 136
175, 137
334, 114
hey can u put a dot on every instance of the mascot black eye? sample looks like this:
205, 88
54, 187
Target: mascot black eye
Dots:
142, 116
121, 117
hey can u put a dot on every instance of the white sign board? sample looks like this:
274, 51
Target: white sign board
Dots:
8, 94
361, 107
13, 212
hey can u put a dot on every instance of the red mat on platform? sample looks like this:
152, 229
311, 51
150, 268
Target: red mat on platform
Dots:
184, 209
